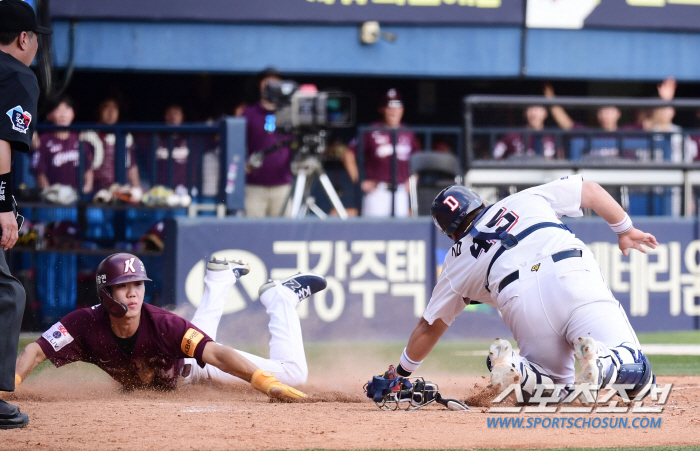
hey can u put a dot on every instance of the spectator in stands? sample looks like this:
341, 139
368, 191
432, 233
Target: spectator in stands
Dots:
268, 186
378, 151
669, 147
694, 144
537, 143
173, 149
633, 147
56, 158
600, 145
239, 109
103, 143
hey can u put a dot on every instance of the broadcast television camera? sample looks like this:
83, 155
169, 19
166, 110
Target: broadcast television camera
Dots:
305, 114
304, 108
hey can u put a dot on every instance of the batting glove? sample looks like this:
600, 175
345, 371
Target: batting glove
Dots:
267, 383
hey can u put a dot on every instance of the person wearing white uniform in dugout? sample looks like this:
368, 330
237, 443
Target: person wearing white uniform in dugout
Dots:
517, 256
287, 360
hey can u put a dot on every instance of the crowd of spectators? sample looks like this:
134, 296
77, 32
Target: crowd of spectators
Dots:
86, 160
607, 139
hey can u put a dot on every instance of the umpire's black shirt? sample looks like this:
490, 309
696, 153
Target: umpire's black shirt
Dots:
19, 94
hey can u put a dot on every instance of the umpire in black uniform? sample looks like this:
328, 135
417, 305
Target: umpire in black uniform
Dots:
19, 93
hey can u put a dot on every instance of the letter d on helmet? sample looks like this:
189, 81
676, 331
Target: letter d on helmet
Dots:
116, 269
452, 205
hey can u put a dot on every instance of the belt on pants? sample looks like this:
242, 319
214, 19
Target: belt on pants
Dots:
515, 275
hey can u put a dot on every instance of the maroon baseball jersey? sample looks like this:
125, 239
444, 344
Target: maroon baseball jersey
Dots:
378, 149
693, 147
163, 341
104, 156
59, 159
180, 157
512, 144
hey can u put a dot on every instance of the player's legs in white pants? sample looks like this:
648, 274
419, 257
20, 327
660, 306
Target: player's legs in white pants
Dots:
287, 358
550, 308
378, 202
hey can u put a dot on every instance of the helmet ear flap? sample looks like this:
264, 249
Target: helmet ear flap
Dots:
114, 308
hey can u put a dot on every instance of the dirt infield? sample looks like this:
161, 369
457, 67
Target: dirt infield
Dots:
79, 413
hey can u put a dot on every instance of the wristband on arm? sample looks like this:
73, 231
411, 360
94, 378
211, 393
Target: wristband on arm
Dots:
623, 226
5, 192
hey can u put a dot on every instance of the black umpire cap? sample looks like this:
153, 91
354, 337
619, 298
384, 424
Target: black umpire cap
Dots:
16, 15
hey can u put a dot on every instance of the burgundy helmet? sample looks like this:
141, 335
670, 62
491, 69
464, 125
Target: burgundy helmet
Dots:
116, 269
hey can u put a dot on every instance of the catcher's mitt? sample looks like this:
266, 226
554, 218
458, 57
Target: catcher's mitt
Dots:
392, 392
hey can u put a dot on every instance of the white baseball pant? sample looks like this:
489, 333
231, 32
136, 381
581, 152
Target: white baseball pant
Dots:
378, 202
287, 358
549, 308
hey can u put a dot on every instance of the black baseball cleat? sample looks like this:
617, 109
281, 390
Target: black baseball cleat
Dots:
11, 417
239, 269
303, 285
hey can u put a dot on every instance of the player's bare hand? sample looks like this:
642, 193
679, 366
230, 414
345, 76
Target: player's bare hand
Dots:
8, 224
267, 383
634, 239
368, 186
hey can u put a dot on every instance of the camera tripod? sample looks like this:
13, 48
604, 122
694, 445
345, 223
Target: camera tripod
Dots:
307, 170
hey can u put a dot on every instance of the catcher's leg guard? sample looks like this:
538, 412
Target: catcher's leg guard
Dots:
619, 365
639, 374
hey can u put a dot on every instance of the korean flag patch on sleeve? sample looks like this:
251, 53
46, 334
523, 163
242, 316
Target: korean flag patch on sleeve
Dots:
58, 336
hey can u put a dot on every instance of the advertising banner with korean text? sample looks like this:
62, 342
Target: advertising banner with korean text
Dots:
381, 274
487, 12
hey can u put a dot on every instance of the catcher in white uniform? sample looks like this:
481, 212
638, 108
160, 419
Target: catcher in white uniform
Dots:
517, 256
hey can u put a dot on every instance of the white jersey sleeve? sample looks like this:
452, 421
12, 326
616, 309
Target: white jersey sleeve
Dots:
446, 301
564, 195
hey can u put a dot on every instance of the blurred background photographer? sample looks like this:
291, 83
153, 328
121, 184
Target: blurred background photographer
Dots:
268, 186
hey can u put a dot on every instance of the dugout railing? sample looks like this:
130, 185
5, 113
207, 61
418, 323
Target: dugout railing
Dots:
664, 164
63, 261
148, 140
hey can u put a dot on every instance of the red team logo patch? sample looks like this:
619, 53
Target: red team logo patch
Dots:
451, 202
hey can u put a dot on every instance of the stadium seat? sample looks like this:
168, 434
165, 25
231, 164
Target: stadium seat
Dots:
430, 173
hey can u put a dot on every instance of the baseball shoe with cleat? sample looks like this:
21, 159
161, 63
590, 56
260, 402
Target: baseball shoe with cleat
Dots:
303, 285
503, 370
239, 268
